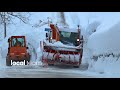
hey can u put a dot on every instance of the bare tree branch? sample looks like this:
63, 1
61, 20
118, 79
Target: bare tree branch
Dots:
8, 17
23, 16
19, 16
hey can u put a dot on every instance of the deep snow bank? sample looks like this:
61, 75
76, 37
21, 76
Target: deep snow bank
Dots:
90, 29
107, 41
104, 46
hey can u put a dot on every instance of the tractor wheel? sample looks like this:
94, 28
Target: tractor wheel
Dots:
8, 62
76, 66
27, 61
51, 64
80, 60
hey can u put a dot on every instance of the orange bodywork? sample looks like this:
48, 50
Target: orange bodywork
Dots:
55, 32
17, 52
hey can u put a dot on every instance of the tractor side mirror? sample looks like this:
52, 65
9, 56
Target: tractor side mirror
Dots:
8, 49
27, 47
9, 40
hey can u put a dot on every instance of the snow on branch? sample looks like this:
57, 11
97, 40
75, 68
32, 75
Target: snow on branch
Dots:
8, 16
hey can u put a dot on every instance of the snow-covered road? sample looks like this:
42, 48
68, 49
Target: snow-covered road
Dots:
43, 72
57, 71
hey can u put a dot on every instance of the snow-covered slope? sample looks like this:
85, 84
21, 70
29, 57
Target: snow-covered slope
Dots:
106, 42
104, 45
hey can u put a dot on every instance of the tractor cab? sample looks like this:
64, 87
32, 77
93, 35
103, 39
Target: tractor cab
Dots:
68, 37
17, 50
17, 41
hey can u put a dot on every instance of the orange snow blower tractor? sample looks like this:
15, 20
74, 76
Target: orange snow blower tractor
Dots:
62, 45
17, 50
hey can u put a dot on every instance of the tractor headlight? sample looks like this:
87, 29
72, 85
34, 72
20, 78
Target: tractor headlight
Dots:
23, 53
51, 38
11, 53
78, 40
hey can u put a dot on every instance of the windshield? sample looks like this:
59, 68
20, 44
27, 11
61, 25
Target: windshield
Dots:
69, 38
18, 42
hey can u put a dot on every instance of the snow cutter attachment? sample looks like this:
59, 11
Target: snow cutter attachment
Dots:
53, 54
17, 51
71, 50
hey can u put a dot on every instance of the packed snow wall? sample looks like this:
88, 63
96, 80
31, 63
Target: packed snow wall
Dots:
105, 48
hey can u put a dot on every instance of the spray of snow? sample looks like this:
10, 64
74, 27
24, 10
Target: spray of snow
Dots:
91, 28
75, 19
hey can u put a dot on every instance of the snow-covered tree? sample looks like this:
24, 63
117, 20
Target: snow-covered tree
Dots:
8, 17
40, 23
